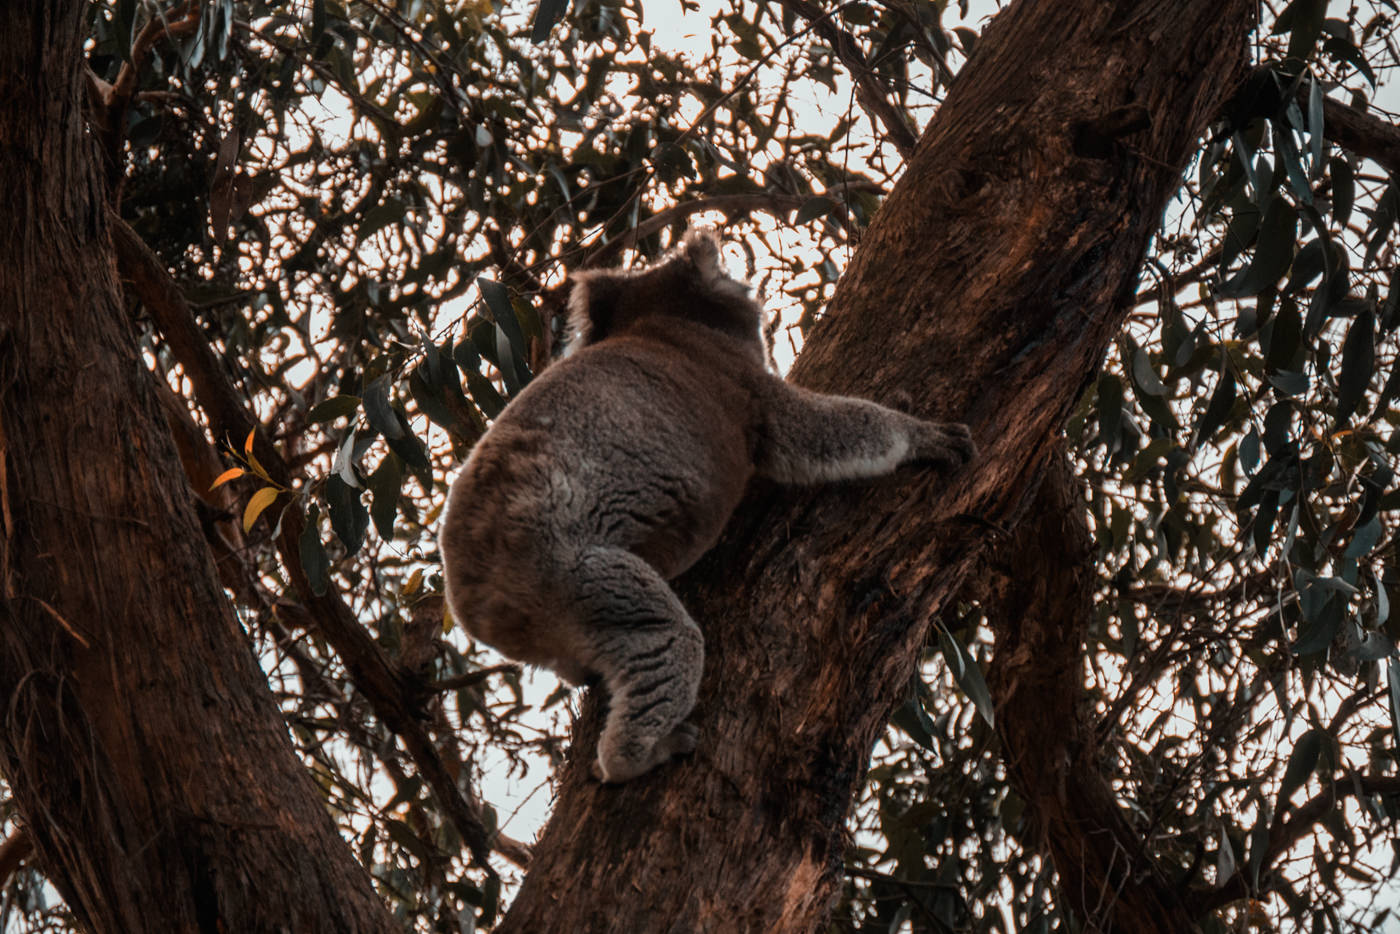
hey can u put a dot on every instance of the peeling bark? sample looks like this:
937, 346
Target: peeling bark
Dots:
988, 288
146, 755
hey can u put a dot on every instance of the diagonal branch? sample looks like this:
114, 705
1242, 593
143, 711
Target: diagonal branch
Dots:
397, 697
874, 97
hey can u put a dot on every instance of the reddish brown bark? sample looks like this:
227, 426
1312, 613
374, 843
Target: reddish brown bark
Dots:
152, 769
988, 286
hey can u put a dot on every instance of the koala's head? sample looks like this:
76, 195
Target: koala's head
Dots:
687, 283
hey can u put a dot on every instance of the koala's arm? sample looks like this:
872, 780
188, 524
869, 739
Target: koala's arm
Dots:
808, 437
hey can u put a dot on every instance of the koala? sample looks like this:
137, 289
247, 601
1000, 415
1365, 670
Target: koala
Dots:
618, 467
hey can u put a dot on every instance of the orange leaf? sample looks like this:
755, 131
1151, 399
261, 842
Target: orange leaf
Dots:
233, 473
261, 500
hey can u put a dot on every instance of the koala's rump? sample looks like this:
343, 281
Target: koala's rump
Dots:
627, 444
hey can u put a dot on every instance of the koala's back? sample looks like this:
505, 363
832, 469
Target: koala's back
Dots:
639, 442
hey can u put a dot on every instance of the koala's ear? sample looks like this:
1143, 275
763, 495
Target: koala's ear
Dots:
700, 248
593, 305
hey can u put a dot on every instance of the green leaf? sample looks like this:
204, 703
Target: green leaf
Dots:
1324, 623
1284, 338
498, 300
1110, 409
1345, 51
1273, 251
915, 722
1221, 401
1358, 362
1224, 859
1302, 19
377, 218
1365, 538
1145, 375
547, 14
1315, 127
333, 408
1392, 676
380, 413
967, 674
384, 486
1259, 841
1301, 763
1307, 265
812, 209
1343, 189
313, 554
1293, 163
318, 21
349, 517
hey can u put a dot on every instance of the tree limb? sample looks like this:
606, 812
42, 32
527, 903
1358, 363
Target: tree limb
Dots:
1362, 133
396, 696
1039, 607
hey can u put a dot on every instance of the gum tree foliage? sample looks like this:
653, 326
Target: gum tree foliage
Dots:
368, 208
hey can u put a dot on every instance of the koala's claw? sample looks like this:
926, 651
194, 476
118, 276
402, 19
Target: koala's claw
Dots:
950, 445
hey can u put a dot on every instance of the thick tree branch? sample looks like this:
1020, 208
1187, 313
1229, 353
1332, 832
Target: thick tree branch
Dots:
1039, 607
396, 696
988, 286
874, 97
1362, 133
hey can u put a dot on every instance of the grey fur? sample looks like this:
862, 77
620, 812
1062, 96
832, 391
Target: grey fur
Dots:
618, 467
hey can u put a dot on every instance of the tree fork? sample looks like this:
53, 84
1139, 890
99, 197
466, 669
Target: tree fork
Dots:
144, 749
1003, 259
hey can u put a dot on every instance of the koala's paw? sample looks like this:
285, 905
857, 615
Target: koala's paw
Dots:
947, 444
681, 742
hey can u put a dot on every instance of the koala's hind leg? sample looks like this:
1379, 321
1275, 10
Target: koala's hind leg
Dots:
650, 654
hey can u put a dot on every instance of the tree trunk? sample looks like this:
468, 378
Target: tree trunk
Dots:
1002, 261
140, 741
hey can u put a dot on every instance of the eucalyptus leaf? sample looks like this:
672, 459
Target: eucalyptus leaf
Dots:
349, 517
1358, 363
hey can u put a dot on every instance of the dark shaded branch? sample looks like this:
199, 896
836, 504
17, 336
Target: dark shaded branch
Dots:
1362, 133
1039, 607
1285, 833
110, 102
470, 678
396, 696
13, 852
874, 97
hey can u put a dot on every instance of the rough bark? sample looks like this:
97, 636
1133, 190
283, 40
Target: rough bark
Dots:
1039, 606
146, 754
988, 288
